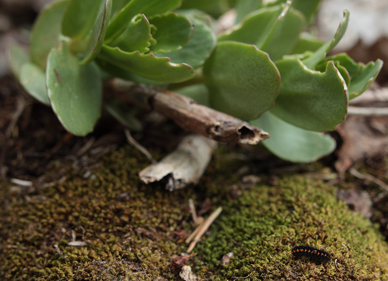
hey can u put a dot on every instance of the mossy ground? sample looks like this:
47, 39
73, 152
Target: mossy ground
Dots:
135, 235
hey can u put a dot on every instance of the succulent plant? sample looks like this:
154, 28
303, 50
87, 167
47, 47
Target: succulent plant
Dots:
266, 69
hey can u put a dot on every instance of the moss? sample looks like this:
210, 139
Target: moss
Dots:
262, 226
129, 228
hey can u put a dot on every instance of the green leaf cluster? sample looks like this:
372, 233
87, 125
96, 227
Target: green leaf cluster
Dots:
267, 69
314, 89
74, 44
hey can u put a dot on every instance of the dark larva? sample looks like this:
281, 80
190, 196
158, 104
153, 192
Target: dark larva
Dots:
311, 252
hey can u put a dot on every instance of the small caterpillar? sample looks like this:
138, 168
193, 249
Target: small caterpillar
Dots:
311, 252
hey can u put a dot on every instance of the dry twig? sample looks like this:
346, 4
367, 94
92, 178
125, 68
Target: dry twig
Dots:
368, 111
20, 106
192, 211
190, 115
138, 146
371, 178
203, 227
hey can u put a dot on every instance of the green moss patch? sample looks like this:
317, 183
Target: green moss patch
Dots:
265, 223
133, 231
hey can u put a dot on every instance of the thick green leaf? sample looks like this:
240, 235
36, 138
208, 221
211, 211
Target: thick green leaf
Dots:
75, 90
292, 143
215, 8
118, 5
307, 8
147, 7
198, 49
254, 29
172, 32
344, 73
244, 7
79, 18
306, 42
33, 80
147, 65
360, 83
310, 99
85, 22
361, 75
136, 37
194, 14
197, 92
124, 115
272, 3
98, 32
17, 58
312, 60
118, 72
274, 30
284, 33
46, 31
242, 80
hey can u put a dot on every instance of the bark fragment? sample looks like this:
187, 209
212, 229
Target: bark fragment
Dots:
183, 166
190, 115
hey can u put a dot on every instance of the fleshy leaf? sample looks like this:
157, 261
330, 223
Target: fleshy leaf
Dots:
17, 58
172, 32
344, 73
284, 33
310, 99
197, 92
244, 7
118, 5
136, 36
123, 115
274, 30
311, 60
46, 31
33, 81
75, 90
199, 47
242, 80
118, 72
292, 143
147, 65
147, 7
85, 22
361, 82
307, 8
361, 75
306, 42
255, 28
215, 8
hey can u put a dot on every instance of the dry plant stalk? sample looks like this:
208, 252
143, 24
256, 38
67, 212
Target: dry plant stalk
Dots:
192, 210
183, 166
202, 228
190, 115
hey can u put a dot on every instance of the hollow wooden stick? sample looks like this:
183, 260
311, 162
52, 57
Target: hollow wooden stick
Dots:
190, 115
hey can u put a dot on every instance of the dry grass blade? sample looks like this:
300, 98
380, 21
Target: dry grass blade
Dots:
203, 227
138, 146
371, 178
